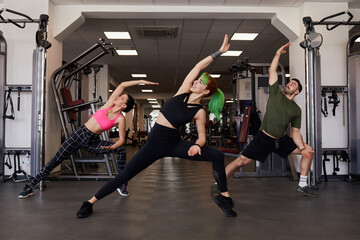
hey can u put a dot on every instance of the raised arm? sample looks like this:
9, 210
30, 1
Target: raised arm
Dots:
120, 89
189, 79
273, 77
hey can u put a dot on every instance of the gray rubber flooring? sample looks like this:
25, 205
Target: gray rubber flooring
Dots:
171, 200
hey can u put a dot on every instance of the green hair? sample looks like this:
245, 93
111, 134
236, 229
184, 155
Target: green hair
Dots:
205, 77
217, 100
216, 103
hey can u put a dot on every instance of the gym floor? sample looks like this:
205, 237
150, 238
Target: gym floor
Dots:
171, 200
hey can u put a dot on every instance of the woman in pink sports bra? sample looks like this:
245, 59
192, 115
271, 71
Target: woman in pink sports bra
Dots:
87, 136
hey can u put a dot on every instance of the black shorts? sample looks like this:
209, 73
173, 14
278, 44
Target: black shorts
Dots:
262, 145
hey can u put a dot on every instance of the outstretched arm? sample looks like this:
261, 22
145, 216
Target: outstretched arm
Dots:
120, 89
189, 79
273, 77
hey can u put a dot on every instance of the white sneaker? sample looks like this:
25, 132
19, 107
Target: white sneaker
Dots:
122, 191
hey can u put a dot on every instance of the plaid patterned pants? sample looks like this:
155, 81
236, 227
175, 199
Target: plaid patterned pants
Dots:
82, 138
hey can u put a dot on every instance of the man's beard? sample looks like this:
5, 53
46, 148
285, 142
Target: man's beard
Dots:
287, 92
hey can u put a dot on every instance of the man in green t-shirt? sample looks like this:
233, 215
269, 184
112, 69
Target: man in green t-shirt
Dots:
281, 110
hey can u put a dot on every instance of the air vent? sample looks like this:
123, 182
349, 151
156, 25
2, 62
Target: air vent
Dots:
157, 32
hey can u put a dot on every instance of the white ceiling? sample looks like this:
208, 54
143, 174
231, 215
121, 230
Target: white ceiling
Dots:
167, 61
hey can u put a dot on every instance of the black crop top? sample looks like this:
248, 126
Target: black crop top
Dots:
178, 112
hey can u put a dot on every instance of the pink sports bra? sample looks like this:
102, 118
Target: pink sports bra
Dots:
104, 122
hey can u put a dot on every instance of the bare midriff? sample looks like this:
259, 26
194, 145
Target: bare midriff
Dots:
163, 121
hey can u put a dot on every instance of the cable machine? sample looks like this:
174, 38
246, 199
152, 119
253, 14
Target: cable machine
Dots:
311, 44
61, 81
37, 88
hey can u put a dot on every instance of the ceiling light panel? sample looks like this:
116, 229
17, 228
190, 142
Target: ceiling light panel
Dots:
138, 75
127, 52
117, 35
215, 75
231, 54
244, 36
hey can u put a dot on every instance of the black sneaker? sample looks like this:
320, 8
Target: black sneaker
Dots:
306, 191
122, 191
214, 190
226, 204
85, 210
27, 191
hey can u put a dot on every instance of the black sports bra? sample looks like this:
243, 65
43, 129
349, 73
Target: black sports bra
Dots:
178, 111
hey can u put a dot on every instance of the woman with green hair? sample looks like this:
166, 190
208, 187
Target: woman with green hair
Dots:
164, 139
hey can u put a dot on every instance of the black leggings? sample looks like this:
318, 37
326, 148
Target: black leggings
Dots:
82, 138
163, 142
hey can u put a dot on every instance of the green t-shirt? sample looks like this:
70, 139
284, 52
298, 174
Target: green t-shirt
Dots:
280, 111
